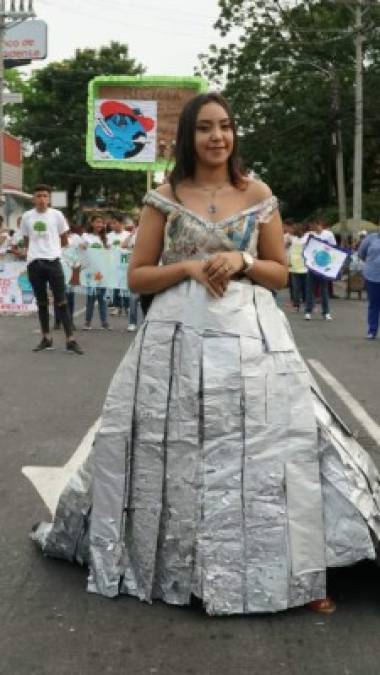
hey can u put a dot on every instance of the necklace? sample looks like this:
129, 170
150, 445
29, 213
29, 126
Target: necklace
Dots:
212, 208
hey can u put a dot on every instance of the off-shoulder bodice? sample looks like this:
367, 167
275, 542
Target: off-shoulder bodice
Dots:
188, 235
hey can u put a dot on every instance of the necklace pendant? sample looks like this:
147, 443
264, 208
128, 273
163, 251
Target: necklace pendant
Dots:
212, 209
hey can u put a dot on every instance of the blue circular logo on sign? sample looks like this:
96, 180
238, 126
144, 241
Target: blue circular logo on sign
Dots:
322, 258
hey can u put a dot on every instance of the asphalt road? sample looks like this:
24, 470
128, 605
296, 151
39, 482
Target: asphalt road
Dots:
49, 625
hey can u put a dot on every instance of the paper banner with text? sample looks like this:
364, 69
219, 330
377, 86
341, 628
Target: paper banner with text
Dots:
96, 268
16, 293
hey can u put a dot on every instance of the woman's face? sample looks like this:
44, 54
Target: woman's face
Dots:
97, 225
214, 138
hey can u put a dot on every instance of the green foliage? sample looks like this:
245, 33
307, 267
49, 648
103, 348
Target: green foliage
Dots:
52, 121
279, 75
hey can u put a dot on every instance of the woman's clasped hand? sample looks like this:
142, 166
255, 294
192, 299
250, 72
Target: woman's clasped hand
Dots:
216, 272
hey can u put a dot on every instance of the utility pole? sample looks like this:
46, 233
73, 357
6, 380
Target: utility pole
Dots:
11, 13
358, 139
337, 141
357, 7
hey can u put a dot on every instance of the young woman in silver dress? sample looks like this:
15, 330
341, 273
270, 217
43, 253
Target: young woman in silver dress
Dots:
219, 470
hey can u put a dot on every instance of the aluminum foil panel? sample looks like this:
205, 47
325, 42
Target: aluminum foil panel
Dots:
218, 470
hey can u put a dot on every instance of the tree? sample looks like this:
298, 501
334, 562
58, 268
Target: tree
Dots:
279, 77
52, 121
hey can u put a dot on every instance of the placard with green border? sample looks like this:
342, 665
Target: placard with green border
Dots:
116, 95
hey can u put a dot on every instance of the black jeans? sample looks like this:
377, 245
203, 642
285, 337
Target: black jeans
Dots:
299, 288
43, 273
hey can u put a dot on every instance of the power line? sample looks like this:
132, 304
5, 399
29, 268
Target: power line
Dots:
105, 18
121, 6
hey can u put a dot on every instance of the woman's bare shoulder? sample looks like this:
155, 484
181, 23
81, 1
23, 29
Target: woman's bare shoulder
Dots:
165, 190
257, 191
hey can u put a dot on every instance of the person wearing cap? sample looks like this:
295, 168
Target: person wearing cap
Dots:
369, 251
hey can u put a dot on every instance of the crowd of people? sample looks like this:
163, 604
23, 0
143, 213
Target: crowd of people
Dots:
305, 285
247, 509
308, 288
113, 230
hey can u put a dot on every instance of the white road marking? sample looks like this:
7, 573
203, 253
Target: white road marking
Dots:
352, 404
49, 481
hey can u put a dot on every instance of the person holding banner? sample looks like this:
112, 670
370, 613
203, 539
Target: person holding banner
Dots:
96, 237
17, 243
218, 470
297, 266
134, 298
45, 231
118, 238
313, 280
74, 240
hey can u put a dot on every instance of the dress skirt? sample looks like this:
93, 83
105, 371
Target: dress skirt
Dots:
218, 470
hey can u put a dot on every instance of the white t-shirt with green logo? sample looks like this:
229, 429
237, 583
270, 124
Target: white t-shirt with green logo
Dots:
115, 239
44, 230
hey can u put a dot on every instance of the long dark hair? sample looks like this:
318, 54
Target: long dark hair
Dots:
185, 155
102, 234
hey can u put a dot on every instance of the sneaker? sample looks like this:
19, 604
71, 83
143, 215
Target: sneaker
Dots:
115, 311
307, 316
105, 326
328, 317
44, 345
131, 328
87, 326
371, 336
73, 347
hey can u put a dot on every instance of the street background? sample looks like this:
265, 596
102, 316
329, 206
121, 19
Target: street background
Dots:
51, 625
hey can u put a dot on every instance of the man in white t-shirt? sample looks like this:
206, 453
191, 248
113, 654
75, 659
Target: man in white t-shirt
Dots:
45, 230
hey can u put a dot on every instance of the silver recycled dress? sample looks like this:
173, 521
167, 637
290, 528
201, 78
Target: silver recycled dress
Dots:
218, 470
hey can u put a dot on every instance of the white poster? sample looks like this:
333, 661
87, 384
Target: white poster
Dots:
95, 268
323, 258
125, 130
16, 293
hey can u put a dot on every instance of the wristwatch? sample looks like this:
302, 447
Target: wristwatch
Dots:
248, 262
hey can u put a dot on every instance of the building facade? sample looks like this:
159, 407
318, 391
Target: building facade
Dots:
15, 200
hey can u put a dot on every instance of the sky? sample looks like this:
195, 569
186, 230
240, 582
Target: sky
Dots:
163, 35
